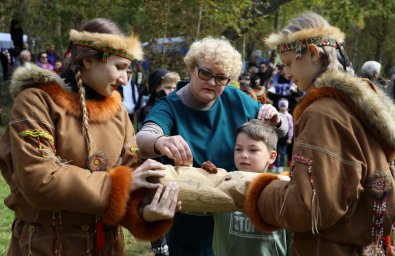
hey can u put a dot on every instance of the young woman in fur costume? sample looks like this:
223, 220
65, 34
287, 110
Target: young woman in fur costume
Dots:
341, 197
69, 154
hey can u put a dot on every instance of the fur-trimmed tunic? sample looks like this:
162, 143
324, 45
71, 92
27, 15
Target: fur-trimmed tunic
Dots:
344, 140
43, 157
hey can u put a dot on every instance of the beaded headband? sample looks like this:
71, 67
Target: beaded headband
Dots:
299, 45
125, 47
324, 36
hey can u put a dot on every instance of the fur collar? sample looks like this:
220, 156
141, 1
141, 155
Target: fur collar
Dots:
31, 76
377, 109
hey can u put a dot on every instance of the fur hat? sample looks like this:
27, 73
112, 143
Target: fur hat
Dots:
324, 36
126, 47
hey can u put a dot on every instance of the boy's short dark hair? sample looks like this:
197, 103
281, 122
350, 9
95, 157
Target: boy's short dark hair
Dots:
260, 130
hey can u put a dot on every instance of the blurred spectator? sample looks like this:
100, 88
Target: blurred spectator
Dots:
160, 83
130, 95
42, 61
24, 57
371, 70
4, 62
286, 141
252, 69
58, 67
53, 56
265, 73
245, 87
281, 85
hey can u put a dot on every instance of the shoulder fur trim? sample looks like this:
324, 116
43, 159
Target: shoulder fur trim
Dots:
98, 111
279, 38
31, 75
377, 107
129, 44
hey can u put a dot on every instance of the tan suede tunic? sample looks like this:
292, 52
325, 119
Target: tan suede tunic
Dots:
43, 157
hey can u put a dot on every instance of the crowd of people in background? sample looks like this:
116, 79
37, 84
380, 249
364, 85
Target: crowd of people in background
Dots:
49, 59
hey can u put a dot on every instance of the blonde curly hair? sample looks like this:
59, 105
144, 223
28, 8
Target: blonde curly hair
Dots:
217, 51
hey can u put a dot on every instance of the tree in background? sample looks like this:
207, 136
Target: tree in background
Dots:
367, 23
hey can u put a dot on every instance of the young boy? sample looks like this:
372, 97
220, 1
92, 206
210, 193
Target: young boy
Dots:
234, 234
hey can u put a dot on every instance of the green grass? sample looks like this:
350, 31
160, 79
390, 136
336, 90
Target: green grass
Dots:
6, 218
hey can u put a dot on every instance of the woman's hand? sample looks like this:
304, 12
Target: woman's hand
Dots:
176, 148
163, 206
149, 168
269, 113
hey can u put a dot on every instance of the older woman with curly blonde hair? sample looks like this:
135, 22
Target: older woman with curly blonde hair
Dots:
197, 123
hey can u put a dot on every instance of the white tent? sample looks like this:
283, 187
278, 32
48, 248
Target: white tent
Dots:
6, 42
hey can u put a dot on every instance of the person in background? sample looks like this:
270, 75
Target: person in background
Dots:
58, 67
42, 61
341, 180
371, 70
234, 234
23, 58
70, 157
161, 82
196, 123
53, 56
286, 141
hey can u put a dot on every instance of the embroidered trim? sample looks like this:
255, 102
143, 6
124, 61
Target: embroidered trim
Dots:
39, 134
315, 207
105, 49
330, 153
299, 45
379, 185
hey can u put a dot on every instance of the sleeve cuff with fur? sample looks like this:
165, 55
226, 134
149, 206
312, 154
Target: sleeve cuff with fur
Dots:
252, 199
120, 186
141, 229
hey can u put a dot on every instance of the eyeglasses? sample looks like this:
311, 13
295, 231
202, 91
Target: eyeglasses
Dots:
206, 75
44, 57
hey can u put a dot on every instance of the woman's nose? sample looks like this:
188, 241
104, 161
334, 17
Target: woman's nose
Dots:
212, 81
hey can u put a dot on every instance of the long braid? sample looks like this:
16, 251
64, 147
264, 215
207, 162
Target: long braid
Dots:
85, 117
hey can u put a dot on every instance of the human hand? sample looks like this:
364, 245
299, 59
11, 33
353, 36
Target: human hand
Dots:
270, 113
289, 141
176, 148
163, 206
149, 168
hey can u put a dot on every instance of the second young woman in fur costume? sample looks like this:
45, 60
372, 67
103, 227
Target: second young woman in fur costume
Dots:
341, 197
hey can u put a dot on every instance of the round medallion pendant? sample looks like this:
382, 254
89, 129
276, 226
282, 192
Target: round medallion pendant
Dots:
97, 162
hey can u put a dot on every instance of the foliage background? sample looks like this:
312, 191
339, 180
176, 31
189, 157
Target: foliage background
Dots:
367, 23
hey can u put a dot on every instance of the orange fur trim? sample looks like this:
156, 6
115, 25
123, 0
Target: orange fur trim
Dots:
252, 199
121, 180
141, 229
98, 111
